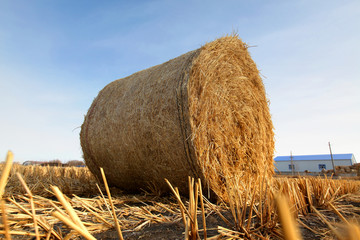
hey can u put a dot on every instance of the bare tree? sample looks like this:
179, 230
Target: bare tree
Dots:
75, 163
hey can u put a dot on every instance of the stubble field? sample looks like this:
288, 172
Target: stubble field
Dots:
69, 203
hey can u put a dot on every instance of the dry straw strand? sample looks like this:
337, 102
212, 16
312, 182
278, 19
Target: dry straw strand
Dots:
48, 235
181, 208
117, 225
332, 228
339, 214
202, 209
74, 217
5, 172
181, 204
73, 225
88, 208
103, 198
33, 213
42, 224
22, 233
5, 221
354, 232
291, 232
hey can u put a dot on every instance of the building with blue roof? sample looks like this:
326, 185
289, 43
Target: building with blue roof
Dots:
312, 163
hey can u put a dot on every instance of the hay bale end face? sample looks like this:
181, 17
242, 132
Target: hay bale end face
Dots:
203, 114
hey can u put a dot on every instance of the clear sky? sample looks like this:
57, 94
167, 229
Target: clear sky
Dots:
55, 56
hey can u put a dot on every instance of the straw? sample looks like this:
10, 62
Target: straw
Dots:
87, 207
31, 203
339, 214
291, 232
332, 228
22, 233
73, 225
202, 209
5, 221
41, 223
5, 172
103, 198
354, 232
255, 198
74, 217
118, 229
178, 198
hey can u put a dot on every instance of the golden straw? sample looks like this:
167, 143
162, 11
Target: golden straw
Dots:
5, 173
118, 229
5, 221
73, 225
287, 222
31, 204
202, 209
74, 217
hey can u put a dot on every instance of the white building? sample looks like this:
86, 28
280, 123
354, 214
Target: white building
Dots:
312, 163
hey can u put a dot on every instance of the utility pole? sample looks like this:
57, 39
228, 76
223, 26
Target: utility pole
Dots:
292, 163
332, 159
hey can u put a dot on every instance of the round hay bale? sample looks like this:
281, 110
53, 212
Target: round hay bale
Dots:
203, 114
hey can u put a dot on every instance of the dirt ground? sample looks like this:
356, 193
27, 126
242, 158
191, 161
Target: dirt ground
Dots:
312, 226
168, 231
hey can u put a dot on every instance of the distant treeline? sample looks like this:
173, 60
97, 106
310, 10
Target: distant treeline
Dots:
56, 163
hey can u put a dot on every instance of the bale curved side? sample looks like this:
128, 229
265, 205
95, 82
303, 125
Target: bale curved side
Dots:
136, 129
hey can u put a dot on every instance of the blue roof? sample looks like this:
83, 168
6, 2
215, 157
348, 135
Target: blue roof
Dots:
346, 156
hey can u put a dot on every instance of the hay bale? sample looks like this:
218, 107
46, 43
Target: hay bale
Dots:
203, 114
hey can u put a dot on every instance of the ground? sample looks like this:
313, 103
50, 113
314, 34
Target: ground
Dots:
312, 228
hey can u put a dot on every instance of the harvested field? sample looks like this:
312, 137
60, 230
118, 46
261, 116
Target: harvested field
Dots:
71, 180
323, 209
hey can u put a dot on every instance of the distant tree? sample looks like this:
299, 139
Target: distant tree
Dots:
74, 163
55, 162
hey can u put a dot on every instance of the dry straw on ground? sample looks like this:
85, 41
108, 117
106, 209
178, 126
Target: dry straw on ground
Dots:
250, 213
203, 114
71, 180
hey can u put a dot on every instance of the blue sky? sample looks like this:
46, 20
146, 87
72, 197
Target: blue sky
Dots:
55, 56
